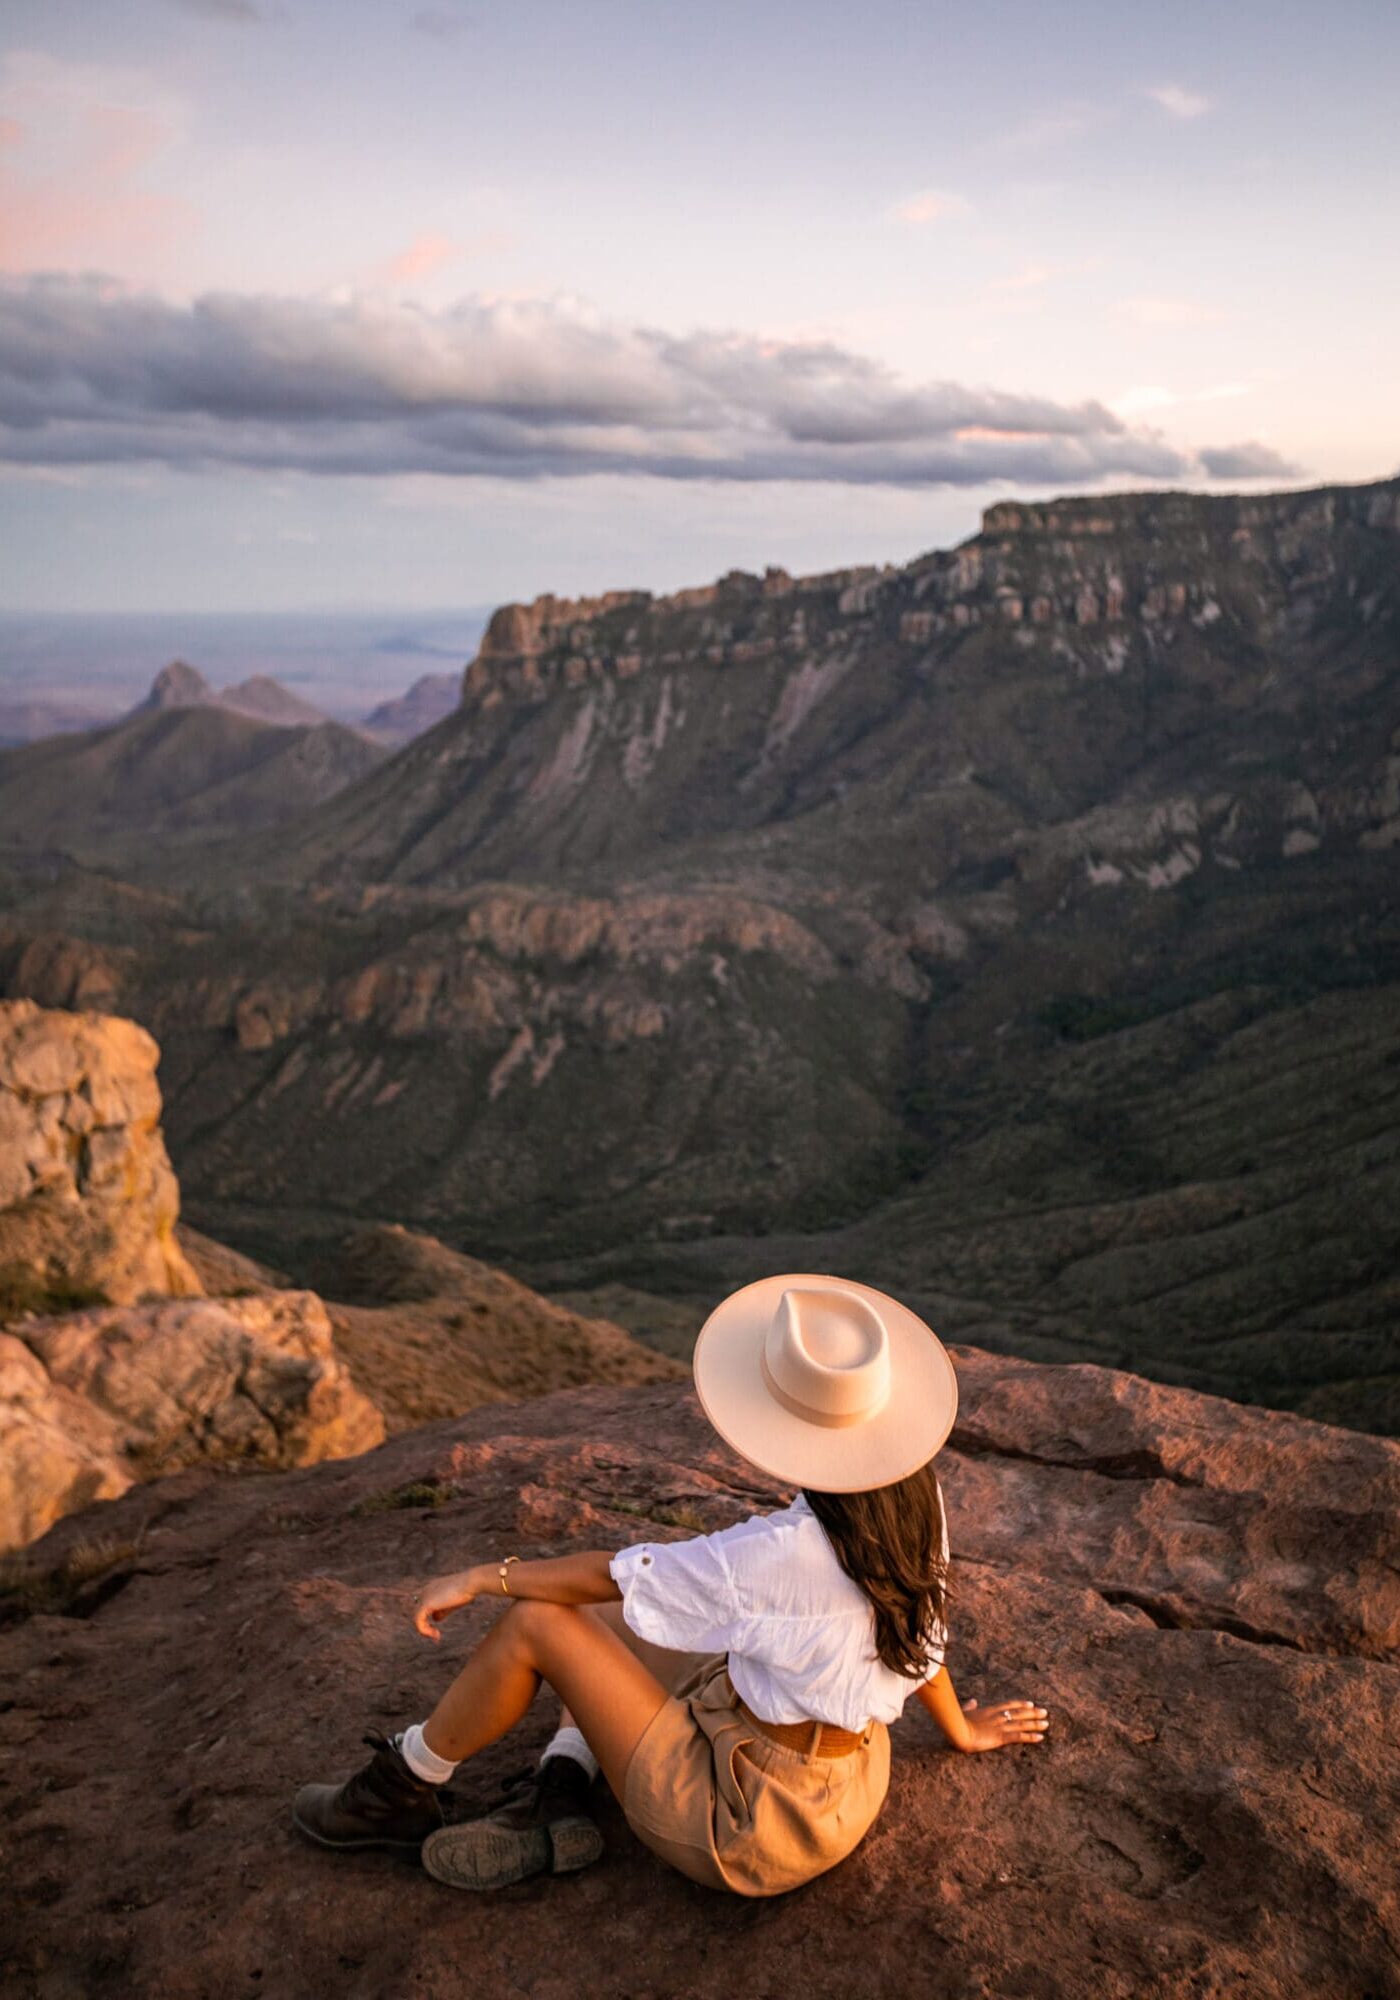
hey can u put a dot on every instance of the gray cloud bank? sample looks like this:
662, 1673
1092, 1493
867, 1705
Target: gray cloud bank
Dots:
93, 374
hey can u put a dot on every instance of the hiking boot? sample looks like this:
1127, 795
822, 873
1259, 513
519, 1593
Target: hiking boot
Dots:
543, 1827
383, 1805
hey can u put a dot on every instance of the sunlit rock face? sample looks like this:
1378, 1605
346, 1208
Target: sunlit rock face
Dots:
93, 1402
88, 1199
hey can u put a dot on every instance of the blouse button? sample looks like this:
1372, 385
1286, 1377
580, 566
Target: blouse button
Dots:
646, 1559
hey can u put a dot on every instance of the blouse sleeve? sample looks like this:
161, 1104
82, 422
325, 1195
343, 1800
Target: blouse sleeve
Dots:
678, 1594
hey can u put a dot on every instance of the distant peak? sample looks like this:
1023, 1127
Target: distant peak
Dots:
179, 685
264, 699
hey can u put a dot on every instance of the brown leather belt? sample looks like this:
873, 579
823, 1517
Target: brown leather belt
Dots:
823, 1737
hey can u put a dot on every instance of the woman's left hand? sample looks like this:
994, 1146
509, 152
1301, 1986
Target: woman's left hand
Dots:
1003, 1722
443, 1595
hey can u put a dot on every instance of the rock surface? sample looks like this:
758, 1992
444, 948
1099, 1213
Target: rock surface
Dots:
1204, 1596
88, 1199
91, 1402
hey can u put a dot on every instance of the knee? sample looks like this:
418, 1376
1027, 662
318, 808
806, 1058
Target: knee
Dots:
535, 1621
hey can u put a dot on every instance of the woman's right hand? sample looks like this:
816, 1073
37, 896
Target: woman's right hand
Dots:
1003, 1722
443, 1595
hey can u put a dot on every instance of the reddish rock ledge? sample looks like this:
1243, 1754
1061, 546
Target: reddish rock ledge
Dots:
1205, 1596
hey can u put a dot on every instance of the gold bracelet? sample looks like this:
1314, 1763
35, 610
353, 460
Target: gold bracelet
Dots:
501, 1572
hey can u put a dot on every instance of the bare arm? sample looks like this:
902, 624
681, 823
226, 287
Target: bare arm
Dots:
1007, 1722
577, 1579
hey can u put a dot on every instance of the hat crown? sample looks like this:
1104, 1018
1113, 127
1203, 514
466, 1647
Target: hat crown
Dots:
826, 1355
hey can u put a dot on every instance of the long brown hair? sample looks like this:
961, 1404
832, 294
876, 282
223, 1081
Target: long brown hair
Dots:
889, 1540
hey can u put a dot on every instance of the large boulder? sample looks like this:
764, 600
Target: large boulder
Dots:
88, 1199
92, 1402
1203, 1595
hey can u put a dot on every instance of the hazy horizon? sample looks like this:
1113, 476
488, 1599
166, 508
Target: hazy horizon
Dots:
342, 662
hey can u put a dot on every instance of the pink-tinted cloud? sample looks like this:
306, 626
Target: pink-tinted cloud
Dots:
430, 253
930, 206
1169, 312
75, 142
425, 255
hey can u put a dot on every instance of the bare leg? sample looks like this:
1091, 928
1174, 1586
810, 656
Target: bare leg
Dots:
668, 1667
608, 1690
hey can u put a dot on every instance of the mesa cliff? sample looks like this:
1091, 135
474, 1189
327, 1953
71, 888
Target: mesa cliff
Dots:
1204, 1597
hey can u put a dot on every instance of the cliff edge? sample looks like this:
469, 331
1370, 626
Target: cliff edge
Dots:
1204, 1595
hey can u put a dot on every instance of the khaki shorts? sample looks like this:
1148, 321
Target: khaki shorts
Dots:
731, 1809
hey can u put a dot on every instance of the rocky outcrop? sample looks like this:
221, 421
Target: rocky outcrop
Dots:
88, 1199
1204, 1598
430, 1333
91, 1402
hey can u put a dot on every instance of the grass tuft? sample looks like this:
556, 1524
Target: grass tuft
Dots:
26, 1590
417, 1493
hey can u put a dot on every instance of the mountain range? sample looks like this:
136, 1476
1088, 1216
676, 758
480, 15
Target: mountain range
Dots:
1014, 928
26, 718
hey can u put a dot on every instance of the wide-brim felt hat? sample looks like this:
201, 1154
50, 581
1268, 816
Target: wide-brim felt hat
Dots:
825, 1382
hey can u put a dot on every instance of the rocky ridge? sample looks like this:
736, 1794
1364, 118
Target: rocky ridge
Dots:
259, 697
1203, 1596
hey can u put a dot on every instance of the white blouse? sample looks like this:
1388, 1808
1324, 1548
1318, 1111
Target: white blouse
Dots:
799, 1632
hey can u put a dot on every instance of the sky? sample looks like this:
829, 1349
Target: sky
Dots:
340, 305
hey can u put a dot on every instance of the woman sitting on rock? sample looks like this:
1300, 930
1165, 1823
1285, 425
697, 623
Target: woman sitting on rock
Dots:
736, 1689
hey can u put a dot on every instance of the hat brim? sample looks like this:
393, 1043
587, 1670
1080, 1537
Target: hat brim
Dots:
905, 1434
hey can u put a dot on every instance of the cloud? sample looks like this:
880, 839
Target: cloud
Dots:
1180, 103
930, 206
77, 140
1247, 461
441, 23
91, 373
1169, 312
219, 10
1049, 128
1031, 276
425, 255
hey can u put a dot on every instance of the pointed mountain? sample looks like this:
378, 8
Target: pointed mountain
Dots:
178, 685
404, 716
265, 700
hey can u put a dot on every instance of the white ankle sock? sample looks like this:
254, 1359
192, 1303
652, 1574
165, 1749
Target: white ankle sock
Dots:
423, 1762
571, 1742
